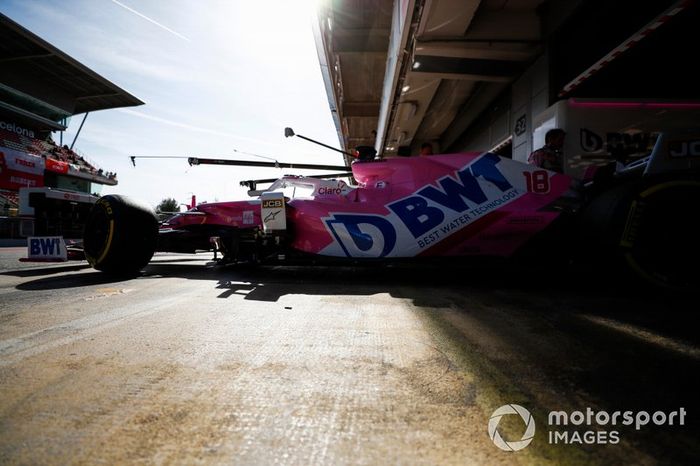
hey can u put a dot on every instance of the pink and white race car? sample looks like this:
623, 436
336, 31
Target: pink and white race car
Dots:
452, 205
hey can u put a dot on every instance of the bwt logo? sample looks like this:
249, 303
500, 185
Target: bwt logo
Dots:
44, 246
420, 218
419, 213
614, 142
527, 436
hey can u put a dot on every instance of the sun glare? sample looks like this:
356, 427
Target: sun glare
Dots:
278, 26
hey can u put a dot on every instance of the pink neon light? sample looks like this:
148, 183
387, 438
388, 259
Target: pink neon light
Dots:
668, 105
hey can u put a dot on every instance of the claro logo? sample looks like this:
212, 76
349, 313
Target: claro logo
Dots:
326, 190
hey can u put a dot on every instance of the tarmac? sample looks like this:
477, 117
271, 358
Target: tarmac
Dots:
190, 363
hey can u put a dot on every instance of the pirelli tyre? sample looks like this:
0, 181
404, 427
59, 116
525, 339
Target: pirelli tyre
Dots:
660, 238
120, 235
651, 228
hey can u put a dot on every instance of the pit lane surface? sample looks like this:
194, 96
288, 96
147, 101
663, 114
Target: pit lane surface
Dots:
189, 363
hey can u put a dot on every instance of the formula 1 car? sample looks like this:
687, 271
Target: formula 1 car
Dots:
451, 206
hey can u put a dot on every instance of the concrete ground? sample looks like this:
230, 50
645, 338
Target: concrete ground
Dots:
189, 363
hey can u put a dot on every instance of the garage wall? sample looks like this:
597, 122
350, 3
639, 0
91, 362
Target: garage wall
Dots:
512, 114
491, 128
530, 96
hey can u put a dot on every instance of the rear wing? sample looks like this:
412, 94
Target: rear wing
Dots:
674, 151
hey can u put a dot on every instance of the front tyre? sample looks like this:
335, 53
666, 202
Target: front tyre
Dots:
120, 235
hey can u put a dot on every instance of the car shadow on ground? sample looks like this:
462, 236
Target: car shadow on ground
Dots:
71, 281
36, 272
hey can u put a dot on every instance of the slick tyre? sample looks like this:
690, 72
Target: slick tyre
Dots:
659, 241
120, 235
650, 228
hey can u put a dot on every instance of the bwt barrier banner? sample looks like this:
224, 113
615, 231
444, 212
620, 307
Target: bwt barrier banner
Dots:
47, 248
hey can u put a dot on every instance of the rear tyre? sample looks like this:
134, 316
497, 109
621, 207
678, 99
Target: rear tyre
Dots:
651, 228
120, 235
660, 239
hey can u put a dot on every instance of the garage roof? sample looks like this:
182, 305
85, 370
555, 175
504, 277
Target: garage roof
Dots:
403, 72
31, 69
416, 70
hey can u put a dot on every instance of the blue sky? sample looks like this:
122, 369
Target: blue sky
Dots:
216, 77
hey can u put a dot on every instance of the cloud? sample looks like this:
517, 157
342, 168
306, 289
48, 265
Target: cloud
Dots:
151, 20
141, 66
194, 128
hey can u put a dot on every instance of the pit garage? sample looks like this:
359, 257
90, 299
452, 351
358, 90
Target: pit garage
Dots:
497, 76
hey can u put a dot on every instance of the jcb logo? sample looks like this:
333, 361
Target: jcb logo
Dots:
684, 148
272, 203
